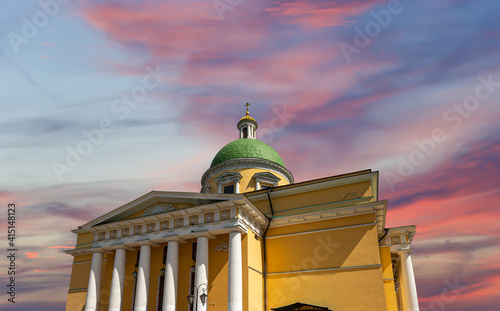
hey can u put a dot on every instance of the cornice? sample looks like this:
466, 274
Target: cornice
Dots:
398, 238
377, 208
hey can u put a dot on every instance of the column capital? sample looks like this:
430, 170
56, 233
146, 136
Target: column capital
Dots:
170, 238
238, 229
405, 250
145, 242
116, 246
204, 233
120, 246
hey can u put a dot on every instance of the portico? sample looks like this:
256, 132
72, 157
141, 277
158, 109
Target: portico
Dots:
230, 219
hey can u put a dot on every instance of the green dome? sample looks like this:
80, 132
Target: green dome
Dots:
247, 148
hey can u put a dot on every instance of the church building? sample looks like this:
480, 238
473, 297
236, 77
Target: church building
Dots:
252, 239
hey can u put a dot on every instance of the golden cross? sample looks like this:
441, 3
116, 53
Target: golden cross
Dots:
247, 104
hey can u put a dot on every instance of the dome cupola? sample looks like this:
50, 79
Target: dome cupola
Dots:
245, 164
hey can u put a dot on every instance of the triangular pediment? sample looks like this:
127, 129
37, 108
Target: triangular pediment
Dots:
228, 176
267, 175
158, 202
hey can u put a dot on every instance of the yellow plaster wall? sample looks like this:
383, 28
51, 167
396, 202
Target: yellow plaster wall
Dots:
76, 301
256, 290
80, 272
326, 249
84, 238
387, 273
80, 276
254, 272
359, 286
77, 293
106, 274
323, 224
247, 182
349, 290
217, 274
295, 203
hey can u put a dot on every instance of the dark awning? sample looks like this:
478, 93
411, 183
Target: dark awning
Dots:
301, 307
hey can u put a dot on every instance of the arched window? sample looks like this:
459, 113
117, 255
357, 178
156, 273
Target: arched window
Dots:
245, 132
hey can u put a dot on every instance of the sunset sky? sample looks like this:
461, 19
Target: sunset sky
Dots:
104, 101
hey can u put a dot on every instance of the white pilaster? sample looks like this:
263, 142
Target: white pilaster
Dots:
142, 290
117, 281
92, 302
201, 270
408, 285
257, 185
237, 187
235, 273
220, 188
171, 276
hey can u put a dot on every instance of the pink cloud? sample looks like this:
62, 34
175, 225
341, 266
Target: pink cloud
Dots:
31, 255
315, 14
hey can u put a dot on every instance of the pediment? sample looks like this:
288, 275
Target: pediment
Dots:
228, 176
266, 175
158, 202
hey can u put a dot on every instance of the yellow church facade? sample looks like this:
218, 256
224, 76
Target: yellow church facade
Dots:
251, 240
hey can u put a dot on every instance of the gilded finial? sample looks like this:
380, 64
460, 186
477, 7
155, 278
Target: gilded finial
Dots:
247, 117
247, 104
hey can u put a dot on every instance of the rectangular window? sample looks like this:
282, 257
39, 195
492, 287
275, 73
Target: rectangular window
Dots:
229, 189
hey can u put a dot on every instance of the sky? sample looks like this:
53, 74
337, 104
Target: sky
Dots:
104, 101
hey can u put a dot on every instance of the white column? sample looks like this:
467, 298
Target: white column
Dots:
94, 282
171, 276
257, 185
201, 271
235, 274
237, 187
142, 290
408, 285
117, 281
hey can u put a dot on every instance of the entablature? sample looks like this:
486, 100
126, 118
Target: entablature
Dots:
377, 208
215, 219
398, 238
